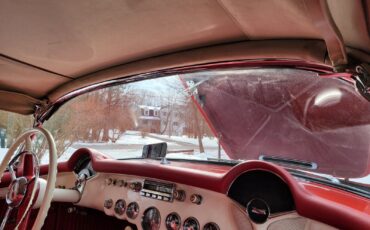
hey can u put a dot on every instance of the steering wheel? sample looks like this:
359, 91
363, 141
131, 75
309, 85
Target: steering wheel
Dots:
24, 185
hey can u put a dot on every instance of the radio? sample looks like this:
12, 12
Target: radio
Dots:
158, 190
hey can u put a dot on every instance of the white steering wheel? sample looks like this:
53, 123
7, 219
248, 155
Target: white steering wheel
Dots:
24, 182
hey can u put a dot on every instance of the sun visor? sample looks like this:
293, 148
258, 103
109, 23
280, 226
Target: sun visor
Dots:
18, 103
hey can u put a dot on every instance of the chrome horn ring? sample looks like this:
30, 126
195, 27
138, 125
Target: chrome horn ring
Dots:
18, 186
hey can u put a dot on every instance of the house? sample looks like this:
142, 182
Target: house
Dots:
149, 119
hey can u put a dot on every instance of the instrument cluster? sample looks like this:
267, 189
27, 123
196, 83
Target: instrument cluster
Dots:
151, 217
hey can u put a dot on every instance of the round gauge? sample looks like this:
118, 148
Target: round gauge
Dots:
211, 226
173, 221
132, 210
191, 224
151, 219
119, 207
258, 210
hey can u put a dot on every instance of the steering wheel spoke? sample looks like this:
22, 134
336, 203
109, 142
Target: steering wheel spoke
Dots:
6, 217
13, 176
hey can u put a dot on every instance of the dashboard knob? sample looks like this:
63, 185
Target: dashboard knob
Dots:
196, 199
108, 181
179, 195
120, 183
135, 186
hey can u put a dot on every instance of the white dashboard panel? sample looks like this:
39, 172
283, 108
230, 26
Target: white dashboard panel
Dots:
215, 207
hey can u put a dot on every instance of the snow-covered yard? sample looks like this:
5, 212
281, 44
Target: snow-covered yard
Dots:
131, 143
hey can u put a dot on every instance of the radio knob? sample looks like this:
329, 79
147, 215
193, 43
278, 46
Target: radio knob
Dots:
196, 199
120, 183
179, 195
135, 186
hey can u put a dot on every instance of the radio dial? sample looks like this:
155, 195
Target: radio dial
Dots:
179, 195
109, 181
135, 186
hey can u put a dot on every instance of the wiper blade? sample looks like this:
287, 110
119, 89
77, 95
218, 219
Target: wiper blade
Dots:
327, 180
289, 162
231, 161
312, 175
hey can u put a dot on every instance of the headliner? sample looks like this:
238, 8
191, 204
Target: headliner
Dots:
51, 48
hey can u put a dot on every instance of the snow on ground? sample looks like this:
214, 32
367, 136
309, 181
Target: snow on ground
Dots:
131, 143
207, 142
135, 138
2, 153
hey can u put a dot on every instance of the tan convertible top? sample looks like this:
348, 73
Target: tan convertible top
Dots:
50, 48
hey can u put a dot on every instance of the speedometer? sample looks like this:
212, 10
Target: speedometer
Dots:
151, 219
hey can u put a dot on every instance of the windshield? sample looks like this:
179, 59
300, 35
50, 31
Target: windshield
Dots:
236, 114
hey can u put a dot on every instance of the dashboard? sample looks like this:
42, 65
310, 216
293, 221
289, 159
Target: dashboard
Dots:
155, 204
188, 195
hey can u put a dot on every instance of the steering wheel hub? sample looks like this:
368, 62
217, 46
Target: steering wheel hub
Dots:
16, 192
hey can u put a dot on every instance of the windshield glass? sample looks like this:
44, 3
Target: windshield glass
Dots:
238, 114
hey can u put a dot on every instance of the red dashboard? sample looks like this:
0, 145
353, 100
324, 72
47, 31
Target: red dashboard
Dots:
322, 203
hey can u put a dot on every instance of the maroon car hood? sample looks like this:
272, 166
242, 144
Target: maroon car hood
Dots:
254, 119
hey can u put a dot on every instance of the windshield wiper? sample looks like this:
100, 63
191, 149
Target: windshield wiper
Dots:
289, 162
221, 160
331, 181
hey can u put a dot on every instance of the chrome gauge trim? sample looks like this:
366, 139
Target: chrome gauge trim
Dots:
261, 213
168, 223
154, 222
194, 227
120, 207
132, 210
211, 226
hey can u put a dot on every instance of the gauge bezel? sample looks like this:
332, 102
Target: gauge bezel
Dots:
211, 223
193, 218
267, 210
175, 214
144, 213
122, 210
127, 208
